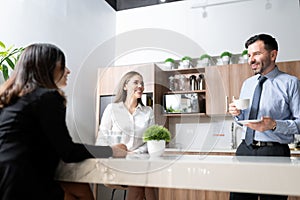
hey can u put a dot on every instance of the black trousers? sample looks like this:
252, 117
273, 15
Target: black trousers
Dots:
275, 150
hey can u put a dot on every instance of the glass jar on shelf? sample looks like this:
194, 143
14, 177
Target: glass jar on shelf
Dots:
172, 81
182, 82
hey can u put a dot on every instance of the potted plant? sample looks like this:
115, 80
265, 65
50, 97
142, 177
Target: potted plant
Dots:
156, 137
245, 54
225, 56
186, 61
8, 59
170, 63
204, 58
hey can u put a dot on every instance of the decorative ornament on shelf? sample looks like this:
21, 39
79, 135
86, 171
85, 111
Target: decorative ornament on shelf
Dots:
156, 137
225, 56
186, 62
170, 63
245, 55
8, 59
205, 60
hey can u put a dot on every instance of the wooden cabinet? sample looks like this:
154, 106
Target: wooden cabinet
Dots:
108, 78
182, 87
224, 82
291, 67
179, 194
189, 116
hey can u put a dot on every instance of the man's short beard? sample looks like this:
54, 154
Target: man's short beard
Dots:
262, 69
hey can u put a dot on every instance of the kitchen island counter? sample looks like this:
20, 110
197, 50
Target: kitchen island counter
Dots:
295, 152
274, 175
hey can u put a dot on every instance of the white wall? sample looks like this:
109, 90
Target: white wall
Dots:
85, 30
226, 27
175, 30
78, 28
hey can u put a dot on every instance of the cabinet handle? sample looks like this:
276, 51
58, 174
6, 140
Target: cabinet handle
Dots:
226, 104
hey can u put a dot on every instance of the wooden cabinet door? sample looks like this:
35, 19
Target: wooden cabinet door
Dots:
108, 78
292, 67
238, 74
224, 82
217, 89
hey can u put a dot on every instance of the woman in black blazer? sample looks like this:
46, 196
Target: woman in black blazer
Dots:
33, 131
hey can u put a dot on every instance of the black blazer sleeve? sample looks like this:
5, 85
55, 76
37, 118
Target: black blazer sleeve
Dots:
51, 113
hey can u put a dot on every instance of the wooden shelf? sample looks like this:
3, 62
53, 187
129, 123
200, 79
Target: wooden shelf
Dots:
187, 70
184, 114
185, 91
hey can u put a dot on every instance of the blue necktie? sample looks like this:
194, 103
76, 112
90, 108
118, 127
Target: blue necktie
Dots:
254, 109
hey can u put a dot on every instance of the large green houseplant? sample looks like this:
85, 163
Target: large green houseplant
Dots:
8, 58
156, 137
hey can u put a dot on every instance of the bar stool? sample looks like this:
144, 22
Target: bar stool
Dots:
117, 187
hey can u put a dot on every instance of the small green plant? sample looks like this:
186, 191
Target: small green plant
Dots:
226, 53
172, 110
186, 58
157, 132
170, 60
205, 56
8, 58
245, 52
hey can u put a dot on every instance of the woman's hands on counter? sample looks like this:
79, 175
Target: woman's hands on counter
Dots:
119, 150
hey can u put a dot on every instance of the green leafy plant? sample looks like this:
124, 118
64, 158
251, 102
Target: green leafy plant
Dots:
245, 52
8, 58
226, 53
186, 58
170, 60
172, 110
205, 56
157, 132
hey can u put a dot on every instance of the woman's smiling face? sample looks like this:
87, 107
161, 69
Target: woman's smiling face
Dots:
134, 87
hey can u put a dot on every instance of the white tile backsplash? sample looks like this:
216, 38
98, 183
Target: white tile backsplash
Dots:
211, 134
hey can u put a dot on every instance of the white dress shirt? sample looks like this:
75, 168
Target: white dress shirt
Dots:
118, 120
280, 100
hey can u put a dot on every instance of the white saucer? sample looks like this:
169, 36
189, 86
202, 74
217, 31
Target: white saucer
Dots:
249, 121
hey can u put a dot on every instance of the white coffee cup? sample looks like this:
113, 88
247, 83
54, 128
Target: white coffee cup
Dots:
241, 104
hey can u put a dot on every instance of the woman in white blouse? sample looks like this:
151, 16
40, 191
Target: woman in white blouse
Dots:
129, 118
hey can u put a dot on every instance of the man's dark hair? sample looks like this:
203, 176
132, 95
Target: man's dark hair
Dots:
269, 41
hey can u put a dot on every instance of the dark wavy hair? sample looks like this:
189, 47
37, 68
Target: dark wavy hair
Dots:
35, 68
269, 41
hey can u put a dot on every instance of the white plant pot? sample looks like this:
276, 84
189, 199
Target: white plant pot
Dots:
156, 147
186, 64
169, 65
205, 62
226, 60
245, 57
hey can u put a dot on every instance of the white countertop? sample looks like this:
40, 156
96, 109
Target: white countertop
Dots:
293, 151
274, 175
